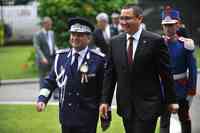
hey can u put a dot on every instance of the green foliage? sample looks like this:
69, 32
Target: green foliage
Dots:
31, 59
1, 33
61, 10
25, 119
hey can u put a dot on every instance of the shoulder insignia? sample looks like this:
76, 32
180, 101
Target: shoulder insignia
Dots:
188, 43
166, 38
59, 51
98, 52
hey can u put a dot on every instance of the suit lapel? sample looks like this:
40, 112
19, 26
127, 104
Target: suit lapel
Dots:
52, 39
142, 42
68, 71
44, 37
123, 49
45, 40
51, 34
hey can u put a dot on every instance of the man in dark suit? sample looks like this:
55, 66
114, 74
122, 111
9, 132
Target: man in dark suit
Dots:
103, 33
137, 61
44, 44
78, 72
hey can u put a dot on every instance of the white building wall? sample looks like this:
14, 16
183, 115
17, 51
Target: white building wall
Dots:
23, 21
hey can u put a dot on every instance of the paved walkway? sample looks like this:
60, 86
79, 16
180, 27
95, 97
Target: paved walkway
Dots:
26, 91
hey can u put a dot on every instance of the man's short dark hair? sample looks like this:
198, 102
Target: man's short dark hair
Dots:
136, 9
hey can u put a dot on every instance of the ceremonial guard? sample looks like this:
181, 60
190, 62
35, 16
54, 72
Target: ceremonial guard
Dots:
184, 71
78, 72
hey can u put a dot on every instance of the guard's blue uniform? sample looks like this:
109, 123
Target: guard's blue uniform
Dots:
185, 76
78, 101
183, 69
183, 61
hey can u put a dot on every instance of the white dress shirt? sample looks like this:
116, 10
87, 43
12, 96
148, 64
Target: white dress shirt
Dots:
136, 37
106, 34
81, 56
49, 40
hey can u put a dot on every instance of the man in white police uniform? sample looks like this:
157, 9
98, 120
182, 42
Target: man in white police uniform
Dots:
78, 73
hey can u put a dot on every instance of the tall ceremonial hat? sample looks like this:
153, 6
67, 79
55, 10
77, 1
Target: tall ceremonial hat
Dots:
171, 18
80, 24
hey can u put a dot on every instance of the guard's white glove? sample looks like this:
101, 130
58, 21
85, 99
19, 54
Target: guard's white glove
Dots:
173, 108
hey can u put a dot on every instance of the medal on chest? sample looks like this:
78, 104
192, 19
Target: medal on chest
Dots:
84, 70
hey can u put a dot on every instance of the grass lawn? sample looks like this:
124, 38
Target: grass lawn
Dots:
25, 119
197, 55
14, 63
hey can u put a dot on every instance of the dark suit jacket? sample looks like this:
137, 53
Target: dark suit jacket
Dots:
42, 50
99, 40
138, 86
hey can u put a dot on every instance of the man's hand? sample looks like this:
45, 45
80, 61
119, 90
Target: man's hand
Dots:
40, 106
173, 108
105, 116
103, 110
44, 61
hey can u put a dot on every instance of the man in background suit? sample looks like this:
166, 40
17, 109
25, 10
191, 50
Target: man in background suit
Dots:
44, 44
138, 59
78, 73
115, 21
103, 32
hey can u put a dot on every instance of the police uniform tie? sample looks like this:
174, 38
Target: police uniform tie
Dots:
130, 50
75, 63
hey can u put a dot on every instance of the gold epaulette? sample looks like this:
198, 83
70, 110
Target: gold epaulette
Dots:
98, 52
188, 43
62, 51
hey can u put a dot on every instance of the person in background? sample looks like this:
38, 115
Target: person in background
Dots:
45, 47
137, 61
78, 73
103, 32
44, 44
181, 52
115, 22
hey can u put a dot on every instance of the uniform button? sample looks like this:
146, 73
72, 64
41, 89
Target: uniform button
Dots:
69, 104
69, 93
77, 94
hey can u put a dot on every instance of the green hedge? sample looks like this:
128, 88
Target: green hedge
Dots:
61, 10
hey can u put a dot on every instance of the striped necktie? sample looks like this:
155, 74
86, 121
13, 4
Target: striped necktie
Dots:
75, 63
130, 50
